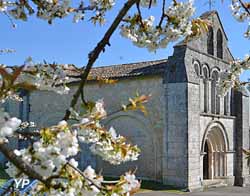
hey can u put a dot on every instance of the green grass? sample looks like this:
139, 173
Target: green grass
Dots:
147, 185
2, 181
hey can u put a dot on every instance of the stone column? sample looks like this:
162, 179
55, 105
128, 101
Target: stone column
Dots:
202, 101
218, 105
211, 164
215, 164
222, 105
209, 95
221, 164
225, 163
228, 104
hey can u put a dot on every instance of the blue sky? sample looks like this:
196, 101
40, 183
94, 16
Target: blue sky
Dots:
67, 42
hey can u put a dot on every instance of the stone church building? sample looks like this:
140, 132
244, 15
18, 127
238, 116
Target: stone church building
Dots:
190, 137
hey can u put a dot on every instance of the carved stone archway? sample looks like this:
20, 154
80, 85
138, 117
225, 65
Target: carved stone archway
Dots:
214, 148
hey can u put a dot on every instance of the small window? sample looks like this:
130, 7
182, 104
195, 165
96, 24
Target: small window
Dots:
205, 72
219, 44
197, 68
210, 41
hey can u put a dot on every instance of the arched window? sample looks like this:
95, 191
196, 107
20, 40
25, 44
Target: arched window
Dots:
215, 99
205, 85
219, 44
197, 68
210, 41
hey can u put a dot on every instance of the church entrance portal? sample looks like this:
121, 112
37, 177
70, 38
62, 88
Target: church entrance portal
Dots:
214, 154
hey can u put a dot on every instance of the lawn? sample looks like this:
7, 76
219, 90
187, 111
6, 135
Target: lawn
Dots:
147, 185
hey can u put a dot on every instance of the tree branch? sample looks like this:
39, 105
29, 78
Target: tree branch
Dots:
85, 177
139, 12
21, 165
244, 6
28, 134
93, 55
162, 14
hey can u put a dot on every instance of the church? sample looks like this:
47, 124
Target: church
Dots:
191, 136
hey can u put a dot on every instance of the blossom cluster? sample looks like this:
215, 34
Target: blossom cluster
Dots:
51, 77
144, 33
48, 155
51, 9
7, 125
107, 144
241, 15
12, 79
231, 78
100, 9
91, 184
52, 154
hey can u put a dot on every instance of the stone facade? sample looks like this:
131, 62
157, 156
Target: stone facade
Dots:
190, 135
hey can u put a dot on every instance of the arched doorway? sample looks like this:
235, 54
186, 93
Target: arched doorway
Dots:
206, 162
214, 149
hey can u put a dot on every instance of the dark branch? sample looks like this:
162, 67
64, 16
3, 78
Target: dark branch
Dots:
139, 12
150, 4
162, 14
29, 134
85, 177
244, 6
96, 52
21, 165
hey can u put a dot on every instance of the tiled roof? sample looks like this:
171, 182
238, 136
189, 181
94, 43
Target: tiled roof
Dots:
131, 69
125, 70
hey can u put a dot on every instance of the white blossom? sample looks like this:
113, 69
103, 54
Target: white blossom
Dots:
131, 183
7, 125
241, 15
153, 37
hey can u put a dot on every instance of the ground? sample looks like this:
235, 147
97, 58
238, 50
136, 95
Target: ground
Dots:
223, 191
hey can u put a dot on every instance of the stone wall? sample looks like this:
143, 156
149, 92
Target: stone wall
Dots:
194, 137
12, 107
47, 108
241, 110
176, 146
201, 45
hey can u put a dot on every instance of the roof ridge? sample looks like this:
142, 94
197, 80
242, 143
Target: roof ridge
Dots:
132, 63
